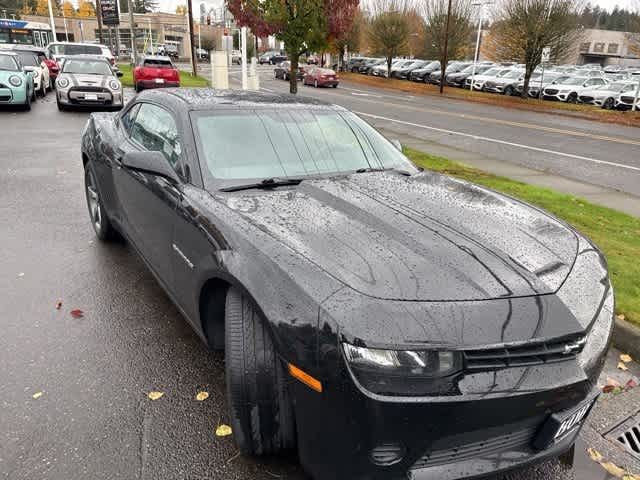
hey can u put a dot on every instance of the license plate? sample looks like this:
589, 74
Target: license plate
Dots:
561, 424
159, 80
90, 96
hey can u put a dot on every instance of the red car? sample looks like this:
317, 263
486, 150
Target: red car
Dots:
155, 72
320, 77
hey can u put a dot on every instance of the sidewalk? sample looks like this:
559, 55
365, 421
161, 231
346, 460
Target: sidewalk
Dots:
604, 196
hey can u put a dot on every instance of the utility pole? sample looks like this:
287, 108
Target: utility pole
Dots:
243, 47
99, 18
53, 24
134, 53
477, 53
194, 62
443, 63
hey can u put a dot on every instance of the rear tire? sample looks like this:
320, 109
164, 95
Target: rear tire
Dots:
261, 415
508, 91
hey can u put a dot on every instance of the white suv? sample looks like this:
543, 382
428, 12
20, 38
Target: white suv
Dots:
569, 90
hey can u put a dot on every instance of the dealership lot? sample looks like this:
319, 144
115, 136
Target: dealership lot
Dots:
93, 418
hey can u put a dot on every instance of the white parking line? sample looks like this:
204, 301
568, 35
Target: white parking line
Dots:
502, 142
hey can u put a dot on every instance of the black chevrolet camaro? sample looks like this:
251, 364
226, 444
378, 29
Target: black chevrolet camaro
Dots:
384, 321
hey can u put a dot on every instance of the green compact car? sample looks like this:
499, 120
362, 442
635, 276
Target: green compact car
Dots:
16, 85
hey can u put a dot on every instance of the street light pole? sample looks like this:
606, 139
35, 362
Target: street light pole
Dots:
53, 24
194, 63
477, 53
443, 63
243, 47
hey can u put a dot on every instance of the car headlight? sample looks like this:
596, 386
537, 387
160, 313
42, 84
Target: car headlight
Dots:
63, 82
15, 80
404, 372
114, 85
34, 73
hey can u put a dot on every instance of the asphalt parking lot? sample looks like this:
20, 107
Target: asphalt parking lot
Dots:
93, 418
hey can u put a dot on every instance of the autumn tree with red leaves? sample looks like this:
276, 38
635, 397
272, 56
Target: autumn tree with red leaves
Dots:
303, 25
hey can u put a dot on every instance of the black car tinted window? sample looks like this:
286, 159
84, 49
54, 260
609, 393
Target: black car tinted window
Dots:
157, 63
155, 129
128, 118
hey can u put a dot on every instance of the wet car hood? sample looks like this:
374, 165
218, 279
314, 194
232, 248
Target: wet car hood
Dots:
422, 238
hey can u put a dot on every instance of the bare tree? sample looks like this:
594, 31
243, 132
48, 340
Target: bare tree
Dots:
448, 30
389, 29
524, 28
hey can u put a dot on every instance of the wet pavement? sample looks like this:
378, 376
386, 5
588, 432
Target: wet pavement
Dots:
93, 419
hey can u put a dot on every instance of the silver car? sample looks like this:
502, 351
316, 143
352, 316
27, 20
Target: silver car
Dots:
88, 81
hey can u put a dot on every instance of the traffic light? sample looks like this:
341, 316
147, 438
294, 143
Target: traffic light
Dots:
208, 19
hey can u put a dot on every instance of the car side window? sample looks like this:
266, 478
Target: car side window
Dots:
155, 129
128, 118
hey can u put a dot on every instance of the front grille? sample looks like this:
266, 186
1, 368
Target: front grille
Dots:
2, 85
90, 89
5, 98
523, 355
513, 440
490, 85
626, 99
551, 91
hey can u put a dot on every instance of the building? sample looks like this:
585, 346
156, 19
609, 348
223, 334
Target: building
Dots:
155, 29
606, 47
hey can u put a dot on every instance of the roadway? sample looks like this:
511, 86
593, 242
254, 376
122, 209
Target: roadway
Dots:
599, 154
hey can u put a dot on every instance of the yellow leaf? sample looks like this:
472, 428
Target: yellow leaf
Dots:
628, 476
620, 316
625, 358
202, 396
223, 430
37, 395
613, 469
155, 395
594, 454
622, 366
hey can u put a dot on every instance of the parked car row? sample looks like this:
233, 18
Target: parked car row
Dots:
308, 74
611, 87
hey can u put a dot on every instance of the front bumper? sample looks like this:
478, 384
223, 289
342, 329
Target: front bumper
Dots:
77, 96
12, 96
342, 430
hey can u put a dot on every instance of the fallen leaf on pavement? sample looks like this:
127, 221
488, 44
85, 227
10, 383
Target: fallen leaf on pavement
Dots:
37, 395
620, 317
608, 388
613, 469
625, 358
77, 313
630, 384
59, 305
223, 430
155, 395
594, 454
622, 366
202, 396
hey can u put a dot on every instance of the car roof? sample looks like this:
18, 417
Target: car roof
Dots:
8, 52
205, 98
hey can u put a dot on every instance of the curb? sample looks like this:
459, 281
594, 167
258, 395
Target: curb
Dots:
626, 337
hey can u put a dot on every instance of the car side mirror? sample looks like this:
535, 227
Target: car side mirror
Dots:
396, 143
151, 162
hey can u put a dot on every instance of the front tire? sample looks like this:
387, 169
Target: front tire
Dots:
609, 104
99, 220
261, 415
508, 91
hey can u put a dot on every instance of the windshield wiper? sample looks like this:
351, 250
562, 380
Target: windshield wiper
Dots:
266, 183
379, 169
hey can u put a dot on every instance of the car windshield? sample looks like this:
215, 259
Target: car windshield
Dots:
575, 81
86, 67
28, 59
76, 49
8, 63
290, 143
157, 63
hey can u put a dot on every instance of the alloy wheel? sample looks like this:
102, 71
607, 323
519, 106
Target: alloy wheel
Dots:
94, 201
